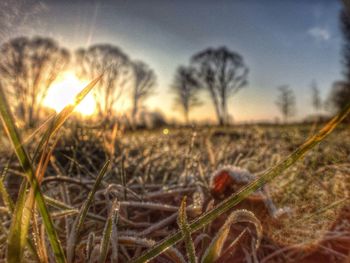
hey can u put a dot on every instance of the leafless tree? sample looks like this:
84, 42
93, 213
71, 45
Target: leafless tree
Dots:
286, 102
339, 96
144, 81
115, 66
28, 67
340, 93
186, 87
316, 98
223, 73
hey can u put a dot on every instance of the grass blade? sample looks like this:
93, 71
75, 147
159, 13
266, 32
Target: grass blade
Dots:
24, 159
214, 250
172, 253
5, 196
11, 207
237, 197
184, 227
79, 221
89, 246
16, 237
64, 207
107, 232
11, 130
227, 254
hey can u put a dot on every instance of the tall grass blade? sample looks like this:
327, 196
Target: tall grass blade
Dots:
16, 237
11, 207
184, 227
11, 130
107, 232
29, 206
237, 197
79, 221
25, 161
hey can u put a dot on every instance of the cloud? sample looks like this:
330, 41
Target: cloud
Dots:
319, 33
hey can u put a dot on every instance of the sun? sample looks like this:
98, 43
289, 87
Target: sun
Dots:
63, 91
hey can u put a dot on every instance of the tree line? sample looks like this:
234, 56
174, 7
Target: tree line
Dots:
223, 73
29, 66
339, 95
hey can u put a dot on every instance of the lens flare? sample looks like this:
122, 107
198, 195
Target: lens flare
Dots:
63, 91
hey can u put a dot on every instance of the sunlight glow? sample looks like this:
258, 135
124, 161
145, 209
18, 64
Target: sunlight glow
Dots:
166, 131
63, 91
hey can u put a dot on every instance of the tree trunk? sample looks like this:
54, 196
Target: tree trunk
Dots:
223, 107
134, 113
187, 120
216, 105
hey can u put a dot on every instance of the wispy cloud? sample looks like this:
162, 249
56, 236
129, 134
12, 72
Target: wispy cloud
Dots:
319, 33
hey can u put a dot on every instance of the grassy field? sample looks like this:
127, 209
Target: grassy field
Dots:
151, 171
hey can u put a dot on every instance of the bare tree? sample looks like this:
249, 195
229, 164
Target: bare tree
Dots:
186, 88
286, 102
316, 98
28, 67
223, 73
340, 93
345, 27
114, 65
144, 83
339, 96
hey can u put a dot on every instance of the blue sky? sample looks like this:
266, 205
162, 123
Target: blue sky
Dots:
283, 42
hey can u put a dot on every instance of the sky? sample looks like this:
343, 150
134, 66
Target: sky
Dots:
289, 42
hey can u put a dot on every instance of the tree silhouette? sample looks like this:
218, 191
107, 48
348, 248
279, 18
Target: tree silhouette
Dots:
223, 73
186, 88
114, 65
286, 102
143, 86
28, 67
315, 96
340, 93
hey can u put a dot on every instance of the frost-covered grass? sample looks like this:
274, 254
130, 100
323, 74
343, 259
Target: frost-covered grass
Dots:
138, 200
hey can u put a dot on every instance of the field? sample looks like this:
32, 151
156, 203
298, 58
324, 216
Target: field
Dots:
174, 131
151, 171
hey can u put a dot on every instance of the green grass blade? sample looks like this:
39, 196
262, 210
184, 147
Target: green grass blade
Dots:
107, 232
79, 221
237, 197
16, 238
184, 227
11, 130
10, 206
6, 197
